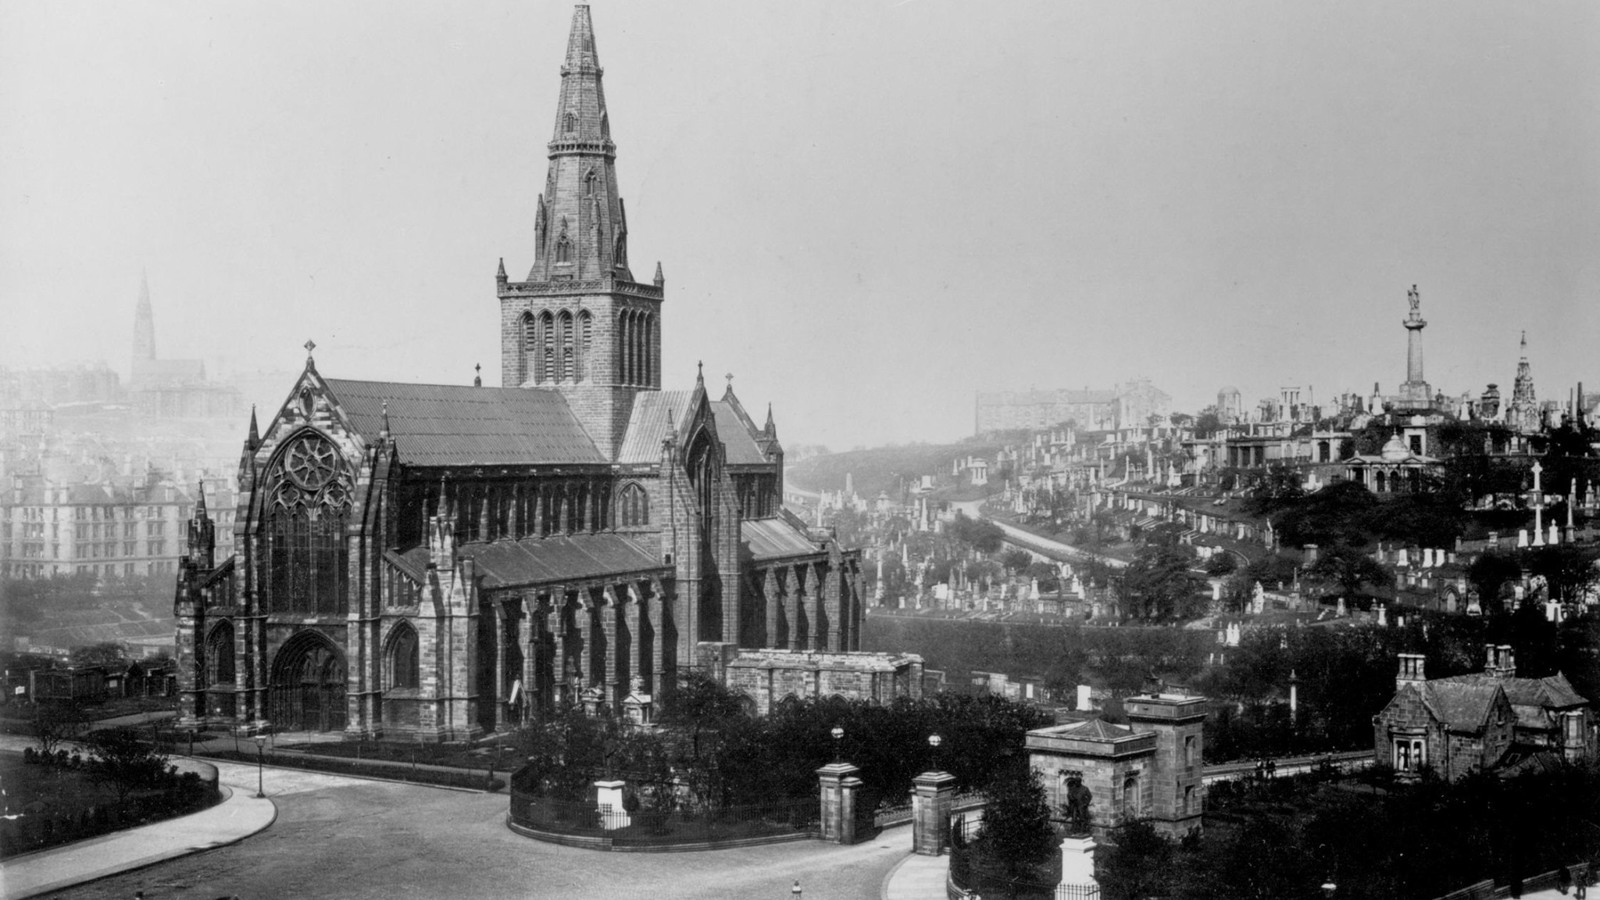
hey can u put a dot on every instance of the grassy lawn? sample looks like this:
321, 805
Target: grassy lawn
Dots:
45, 806
35, 788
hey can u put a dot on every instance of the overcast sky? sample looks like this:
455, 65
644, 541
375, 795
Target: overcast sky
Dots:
866, 211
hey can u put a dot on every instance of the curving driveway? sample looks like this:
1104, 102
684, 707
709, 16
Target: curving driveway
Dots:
353, 838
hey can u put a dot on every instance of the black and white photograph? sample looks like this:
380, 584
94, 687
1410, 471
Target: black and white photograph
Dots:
823, 450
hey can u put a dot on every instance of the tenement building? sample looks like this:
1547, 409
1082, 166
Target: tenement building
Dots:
433, 561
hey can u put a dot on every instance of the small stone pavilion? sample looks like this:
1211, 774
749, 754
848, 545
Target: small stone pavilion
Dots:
1149, 769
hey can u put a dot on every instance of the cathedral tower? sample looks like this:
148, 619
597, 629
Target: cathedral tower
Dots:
580, 324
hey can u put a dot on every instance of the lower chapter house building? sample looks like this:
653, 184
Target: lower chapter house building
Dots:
1149, 769
435, 561
1489, 720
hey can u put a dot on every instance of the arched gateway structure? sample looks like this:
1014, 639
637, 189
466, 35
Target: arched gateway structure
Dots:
432, 561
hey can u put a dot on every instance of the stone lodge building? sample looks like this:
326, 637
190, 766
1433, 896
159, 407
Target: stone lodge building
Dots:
1480, 721
1150, 769
435, 561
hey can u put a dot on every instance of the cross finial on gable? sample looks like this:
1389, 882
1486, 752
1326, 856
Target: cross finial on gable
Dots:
729, 376
310, 346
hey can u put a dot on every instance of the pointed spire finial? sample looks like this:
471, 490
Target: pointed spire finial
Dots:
771, 428
477, 378
200, 500
700, 374
384, 432
500, 275
661, 279
254, 440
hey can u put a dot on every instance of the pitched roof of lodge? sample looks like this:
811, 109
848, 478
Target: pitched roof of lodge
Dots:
1530, 697
1461, 706
459, 425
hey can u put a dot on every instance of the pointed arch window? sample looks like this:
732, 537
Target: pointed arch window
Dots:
404, 657
619, 254
585, 341
548, 338
633, 507
530, 346
571, 124
564, 326
588, 183
308, 506
219, 654
563, 249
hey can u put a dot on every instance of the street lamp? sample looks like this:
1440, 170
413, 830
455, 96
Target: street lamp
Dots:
838, 748
933, 752
261, 742
1329, 888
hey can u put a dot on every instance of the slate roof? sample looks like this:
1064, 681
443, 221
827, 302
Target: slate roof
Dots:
459, 425
774, 539
735, 434
1095, 730
1531, 698
556, 559
1461, 706
649, 425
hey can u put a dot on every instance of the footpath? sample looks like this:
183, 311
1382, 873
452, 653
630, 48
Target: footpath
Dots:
238, 816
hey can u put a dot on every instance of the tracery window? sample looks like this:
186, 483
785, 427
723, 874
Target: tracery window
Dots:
571, 123
585, 341
633, 507
563, 250
403, 657
219, 654
308, 504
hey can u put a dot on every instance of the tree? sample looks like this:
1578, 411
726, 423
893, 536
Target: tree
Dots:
1016, 560
1221, 564
1489, 574
1568, 570
105, 653
1158, 585
1016, 837
1281, 486
1138, 864
55, 721
119, 758
1350, 568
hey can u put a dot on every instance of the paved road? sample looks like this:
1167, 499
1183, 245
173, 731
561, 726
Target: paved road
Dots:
349, 838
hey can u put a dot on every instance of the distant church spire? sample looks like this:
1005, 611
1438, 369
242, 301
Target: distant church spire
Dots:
144, 327
1523, 411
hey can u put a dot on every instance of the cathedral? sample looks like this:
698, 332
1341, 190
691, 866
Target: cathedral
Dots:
436, 561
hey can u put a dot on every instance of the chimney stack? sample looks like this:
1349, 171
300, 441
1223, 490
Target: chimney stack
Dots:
1411, 670
1501, 663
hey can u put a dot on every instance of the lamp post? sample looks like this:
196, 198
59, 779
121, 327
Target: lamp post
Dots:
1329, 889
261, 742
838, 749
933, 752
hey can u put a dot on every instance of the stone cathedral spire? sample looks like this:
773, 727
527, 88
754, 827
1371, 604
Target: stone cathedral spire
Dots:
580, 229
580, 324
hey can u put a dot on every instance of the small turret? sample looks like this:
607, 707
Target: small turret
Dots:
202, 538
661, 280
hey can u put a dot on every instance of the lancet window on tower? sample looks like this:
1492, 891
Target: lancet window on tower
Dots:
564, 338
571, 124
585, 341
547, 332
530, 347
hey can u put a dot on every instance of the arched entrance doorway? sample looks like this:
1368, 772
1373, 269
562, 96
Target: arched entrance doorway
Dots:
307, 688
